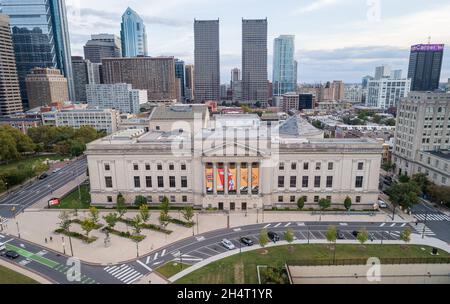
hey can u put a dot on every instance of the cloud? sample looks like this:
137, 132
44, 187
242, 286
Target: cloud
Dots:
314, 6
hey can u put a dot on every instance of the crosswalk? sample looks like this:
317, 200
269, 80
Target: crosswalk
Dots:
432, 217
3, 220
124, 273
421, 227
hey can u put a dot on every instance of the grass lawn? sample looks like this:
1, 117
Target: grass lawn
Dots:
239, 269
8, 276
28, 162
72, 201
171, 268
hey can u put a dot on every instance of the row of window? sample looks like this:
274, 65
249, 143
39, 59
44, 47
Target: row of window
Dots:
172, 199
293, 199
318, 166
159, 167
149, 182
317, 182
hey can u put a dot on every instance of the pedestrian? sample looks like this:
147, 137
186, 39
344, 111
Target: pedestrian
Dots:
45, 240
51, 239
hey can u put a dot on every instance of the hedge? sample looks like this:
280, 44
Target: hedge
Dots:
136, 238
76, 235
147, 226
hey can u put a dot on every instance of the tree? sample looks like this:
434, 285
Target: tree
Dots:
376, 118
403, 178
439, 194
404, 194
40, 168
405, 236
64, 216
301, 203
120, 205
363, 236
289, 235
331, 234
8, 151
87, 225
94, 215
136, 224
111, 220
164, 206
140, 200
76, 148
348, 203
422, 181
2, 186
263, 238
163, 219
144, 213
188, 213
324, 203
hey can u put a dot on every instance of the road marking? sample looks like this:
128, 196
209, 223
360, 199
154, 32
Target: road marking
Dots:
148, 260
32, 256
200, 238
277, 225
212, 249
393, 224
382, 225
143, 265
2, 236
403, 225
163, 253
133, 279
267, 226
156, 263
156, 256
343, 224
300, 224
237, 229
191, 259
287, 225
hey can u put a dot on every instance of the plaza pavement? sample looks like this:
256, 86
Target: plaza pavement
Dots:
36, 225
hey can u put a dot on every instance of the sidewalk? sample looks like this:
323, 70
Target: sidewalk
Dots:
36, 225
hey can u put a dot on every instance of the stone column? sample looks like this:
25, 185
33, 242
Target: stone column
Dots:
215, 178
238, 178
249, 179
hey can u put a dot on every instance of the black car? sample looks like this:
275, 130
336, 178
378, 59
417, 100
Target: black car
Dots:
355, 233
246, 241
273, 236
340, 235
43, 175
11, 255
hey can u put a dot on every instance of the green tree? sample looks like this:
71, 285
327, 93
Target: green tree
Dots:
403, 178
390, 122
405, 236
363, 236
136, 223
348, 203
40, 168
140, 200
188, 213
2, 186
301, 203
144, 213
289, 235
331, 234
164, 206
87, 225
94, 214
64, 218
376, 118
120, 205
439, 194
404, 194
8, 151
263, 238
111, 220
76, 147
324, 203
163, 219
422, 181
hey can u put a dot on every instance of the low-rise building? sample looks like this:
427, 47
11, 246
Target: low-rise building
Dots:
21, 123
187, 117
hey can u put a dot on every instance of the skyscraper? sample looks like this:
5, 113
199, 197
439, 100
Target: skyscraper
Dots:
254, 60
284, 65
46, 86
102, 46
383, 71
133, 35
10, 101
207, 60
40, 38
190, 94
180, 74
425, 63
84, 72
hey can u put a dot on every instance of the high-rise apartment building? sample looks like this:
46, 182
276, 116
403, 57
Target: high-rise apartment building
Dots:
46, 86
291, 102
207, 60
236, 85
189, 82
425, 63
386, 93
396, 74
102, 46
332, 91
40, 37
84, 72
10, 101
382, 72
180, 74
254, 60
154, 74
422, 136
133, 35
284, 65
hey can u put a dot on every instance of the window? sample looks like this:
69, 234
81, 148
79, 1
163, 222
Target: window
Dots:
359, 182
358, 199
316, 199
318, 166
137, 182
109, 199
171, 167
160, 182
147, 167
183, 167
281, 167
172, 181
159, 167
329, 182
305, 198
108, 182
184, 199
305, 181
158, 128
172, 199
148, 181
329, 198
280, 181
292, 199
360, 166
135, 167
293, 182
184, 182
149, 199
305, 166
317, 182
293, 166
107, 167
280, 199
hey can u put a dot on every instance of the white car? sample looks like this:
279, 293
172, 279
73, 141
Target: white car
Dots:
57, 170
382, 204
227, 244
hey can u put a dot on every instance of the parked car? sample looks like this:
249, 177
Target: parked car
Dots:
355, 233
43, 175
246, 241
2, 247
56, 170
227, 244
340, 235
273, 236
12, 255
382, 204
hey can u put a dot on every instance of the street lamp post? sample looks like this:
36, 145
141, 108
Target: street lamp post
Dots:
197, 223
424, 224
137, 249
257, 215
308, 234
18, 231
64, 245
70, 241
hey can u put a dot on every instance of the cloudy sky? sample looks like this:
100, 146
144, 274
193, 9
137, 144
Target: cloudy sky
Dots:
335, 39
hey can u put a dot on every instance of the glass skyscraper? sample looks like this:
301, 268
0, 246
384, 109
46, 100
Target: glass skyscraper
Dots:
284, 65
41, 38
180, 74
133, 35
425, 65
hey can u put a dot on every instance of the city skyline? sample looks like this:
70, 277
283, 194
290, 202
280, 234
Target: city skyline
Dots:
338, 47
